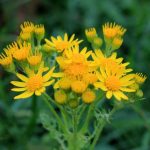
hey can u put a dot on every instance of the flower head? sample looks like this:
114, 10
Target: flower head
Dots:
114, 82
39, 31
112, 30
6, 58
61, 44
32, 83
35, 58
140, 78
27, 27
101, 60
22, 52
91, 34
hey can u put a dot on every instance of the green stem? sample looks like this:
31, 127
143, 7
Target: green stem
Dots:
100, 127
98, 131
46, 100
73, 142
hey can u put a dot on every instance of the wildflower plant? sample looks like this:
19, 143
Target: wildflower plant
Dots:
83, 79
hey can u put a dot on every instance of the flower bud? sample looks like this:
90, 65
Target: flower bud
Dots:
60, 96
88, 96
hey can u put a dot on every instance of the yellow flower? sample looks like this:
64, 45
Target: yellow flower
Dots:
60, 96
88, 96
116, 43
39, 31
114, 83
140, 78
112, 30
35, 59
5, 58
78, 86
90, 34
11, 48
100, 60
25, 36
27, 27
64, 83
33, 83
62, 44
76, 70
22, 52
75, 64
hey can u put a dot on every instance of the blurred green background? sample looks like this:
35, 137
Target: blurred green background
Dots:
20, 126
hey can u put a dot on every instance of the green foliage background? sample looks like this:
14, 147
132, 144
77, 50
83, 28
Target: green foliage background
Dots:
20, 126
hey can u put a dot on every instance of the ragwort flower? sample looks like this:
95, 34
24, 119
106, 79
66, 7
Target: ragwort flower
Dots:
113, 82
61, 44
33, 83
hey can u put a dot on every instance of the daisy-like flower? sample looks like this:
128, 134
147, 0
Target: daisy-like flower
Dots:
114, 83
112, 30
33, 83
27, 27
22, 51
6, 58
100, 60
25, 36
77, 71
61, 44
34, 58
11, 48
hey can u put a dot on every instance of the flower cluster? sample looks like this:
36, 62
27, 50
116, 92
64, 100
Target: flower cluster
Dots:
77, 74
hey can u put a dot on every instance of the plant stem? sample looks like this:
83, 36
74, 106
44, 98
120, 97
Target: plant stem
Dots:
99, 128
46, 99
98, 131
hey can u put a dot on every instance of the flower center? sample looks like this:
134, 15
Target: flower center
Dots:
35, 82
112, 83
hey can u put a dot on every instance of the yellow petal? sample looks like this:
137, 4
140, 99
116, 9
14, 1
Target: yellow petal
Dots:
26, 94
58, 75
18, 84
88, 54
72, 37
100, 85
48, 75
99, 53
127, 89
22, 77
117, 95
83, 51
37, 92
100, 77
109, 94
56, 85
49, 83
122, 95
18, 89
127, 78
65, 37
